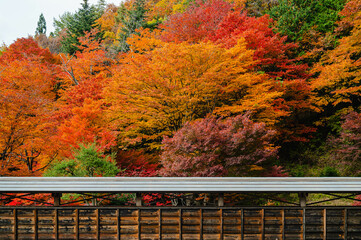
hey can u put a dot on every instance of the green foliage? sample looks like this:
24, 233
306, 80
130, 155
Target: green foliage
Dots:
298, 171
296, 17
62, 23
87, 162
329, 172
41, 28
131, 19
78, 24
3, 48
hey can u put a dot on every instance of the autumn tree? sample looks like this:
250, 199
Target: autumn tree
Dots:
275, 57
28, 76
215, 148
199, 21
53, 43
109, 25
337, 85
346, 147
160, 10
258, 8
214, 20
81, 107
138, 163
154, 93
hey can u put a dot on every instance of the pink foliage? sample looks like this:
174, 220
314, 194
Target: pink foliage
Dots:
214, 147
348, 145
276, 171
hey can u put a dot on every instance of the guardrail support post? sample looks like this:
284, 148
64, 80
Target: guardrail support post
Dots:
220, 200
138, 199
57, 199
303, 199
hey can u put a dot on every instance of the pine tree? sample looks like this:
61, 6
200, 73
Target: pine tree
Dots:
296, 17
88, 161
41, 28
83, 21
131, 20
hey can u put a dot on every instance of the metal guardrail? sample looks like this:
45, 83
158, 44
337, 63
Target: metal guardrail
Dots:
164, 184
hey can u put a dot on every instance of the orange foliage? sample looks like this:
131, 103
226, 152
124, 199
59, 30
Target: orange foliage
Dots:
156, 92
28, 79
108, 24
339, 82
80, 108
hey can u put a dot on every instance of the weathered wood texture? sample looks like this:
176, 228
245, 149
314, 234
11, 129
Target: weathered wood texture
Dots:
111, 223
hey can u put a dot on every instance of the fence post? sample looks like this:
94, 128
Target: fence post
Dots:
303, 199
138, 199
57, 199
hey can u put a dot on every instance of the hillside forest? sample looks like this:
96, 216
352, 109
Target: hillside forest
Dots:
203, 88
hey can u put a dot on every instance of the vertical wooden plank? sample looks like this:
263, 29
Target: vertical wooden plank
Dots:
324, 213
56, 221
262, 226
98, 224
201, 224
36, 224
139, 226
118, 224
221, 223
15, 224
304, 223
160, 224
180, 225
283, 223
345, 223
242, 224
77, 224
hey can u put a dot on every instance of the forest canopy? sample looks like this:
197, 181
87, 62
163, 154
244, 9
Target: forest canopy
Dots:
186, 88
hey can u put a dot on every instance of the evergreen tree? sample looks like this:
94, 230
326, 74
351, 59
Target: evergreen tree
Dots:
41, 28
296, 17
62, 23
80, 23
88, 161
131, 20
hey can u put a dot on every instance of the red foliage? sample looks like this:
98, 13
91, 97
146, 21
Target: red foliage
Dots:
26, 48
40, 199
81, 107
81, 117
357, 203
199, 21
272, 55
137, 163
211, 147
271, 50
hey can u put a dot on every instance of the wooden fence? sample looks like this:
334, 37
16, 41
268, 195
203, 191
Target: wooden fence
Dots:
180, 223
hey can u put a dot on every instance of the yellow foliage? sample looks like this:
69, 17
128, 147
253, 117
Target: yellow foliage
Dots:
155, 92
340, 75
